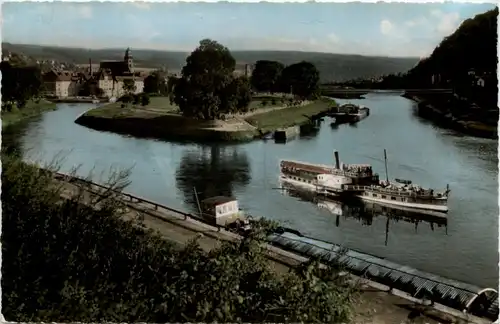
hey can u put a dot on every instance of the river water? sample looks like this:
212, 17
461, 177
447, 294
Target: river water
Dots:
465, 249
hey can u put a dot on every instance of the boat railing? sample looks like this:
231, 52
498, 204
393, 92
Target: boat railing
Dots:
350, 174
389, 191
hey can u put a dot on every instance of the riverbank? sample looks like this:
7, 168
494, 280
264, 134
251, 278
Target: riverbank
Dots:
162, 120
79, 100
31, 109
437, 109
293, 116
376, 303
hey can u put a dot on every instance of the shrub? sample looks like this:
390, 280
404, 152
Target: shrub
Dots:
137, 99
273, 101
127, 98
145, 100
64, 260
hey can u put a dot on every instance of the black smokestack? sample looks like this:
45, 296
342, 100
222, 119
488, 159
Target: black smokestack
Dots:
337, 160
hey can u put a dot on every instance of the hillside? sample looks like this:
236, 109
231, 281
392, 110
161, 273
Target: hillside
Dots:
473, 46
333, 67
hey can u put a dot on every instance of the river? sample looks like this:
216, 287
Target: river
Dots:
465, 249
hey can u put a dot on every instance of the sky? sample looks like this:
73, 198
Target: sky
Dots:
385, 29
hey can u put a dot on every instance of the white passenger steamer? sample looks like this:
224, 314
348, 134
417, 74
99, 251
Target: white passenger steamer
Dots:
358, 180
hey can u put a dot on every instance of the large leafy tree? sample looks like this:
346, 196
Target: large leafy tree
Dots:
266, 75
301, 79
207, 89
20, 83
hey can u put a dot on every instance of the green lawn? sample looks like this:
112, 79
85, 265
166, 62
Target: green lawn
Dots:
31, 109
257, 104
290, 116
157, 106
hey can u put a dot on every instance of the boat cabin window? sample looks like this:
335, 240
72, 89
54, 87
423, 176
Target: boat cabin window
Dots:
393, 198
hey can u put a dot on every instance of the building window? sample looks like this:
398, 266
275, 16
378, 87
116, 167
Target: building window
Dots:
393, 198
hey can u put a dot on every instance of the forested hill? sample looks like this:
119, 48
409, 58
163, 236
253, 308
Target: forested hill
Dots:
473, 46
332, 67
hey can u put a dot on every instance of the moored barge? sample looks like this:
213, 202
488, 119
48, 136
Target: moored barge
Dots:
349, 113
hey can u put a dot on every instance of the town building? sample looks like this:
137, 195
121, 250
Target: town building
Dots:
111, 76
62, 84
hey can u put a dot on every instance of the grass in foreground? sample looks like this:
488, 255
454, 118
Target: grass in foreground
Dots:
31, 109
290, 116
65, 261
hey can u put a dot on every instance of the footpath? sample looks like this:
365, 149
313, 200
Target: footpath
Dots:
375, 304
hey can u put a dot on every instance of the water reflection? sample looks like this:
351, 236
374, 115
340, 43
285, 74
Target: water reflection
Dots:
12, 136
212, 171
365, 212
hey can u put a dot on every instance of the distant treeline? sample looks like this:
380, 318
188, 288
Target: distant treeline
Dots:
332, 67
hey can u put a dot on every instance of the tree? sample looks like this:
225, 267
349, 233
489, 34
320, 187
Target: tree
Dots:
243, 93
129, 86
65, 260
266, 76
155, 83
301, 79
207, 88
145, 99
20, 83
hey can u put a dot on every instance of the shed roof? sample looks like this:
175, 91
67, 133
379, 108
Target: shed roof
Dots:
218, 200
417, 283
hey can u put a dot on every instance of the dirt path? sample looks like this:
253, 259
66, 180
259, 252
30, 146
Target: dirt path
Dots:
373, 306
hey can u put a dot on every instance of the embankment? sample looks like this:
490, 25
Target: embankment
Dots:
79, 100
144, 122
283, 249
293, 116
168, 126
31, 109
439, 108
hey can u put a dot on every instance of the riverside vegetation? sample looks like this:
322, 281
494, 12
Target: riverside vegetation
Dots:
21, 89
66, 261
210, 102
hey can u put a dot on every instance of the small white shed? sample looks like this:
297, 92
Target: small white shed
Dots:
223, 210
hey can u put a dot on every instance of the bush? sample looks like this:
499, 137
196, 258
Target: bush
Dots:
66, 261
145, 100
263, 103
127, 98
273, 101
136, 100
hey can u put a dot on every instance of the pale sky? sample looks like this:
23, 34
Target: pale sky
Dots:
388, 29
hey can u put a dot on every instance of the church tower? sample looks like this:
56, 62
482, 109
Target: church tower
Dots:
128, 59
